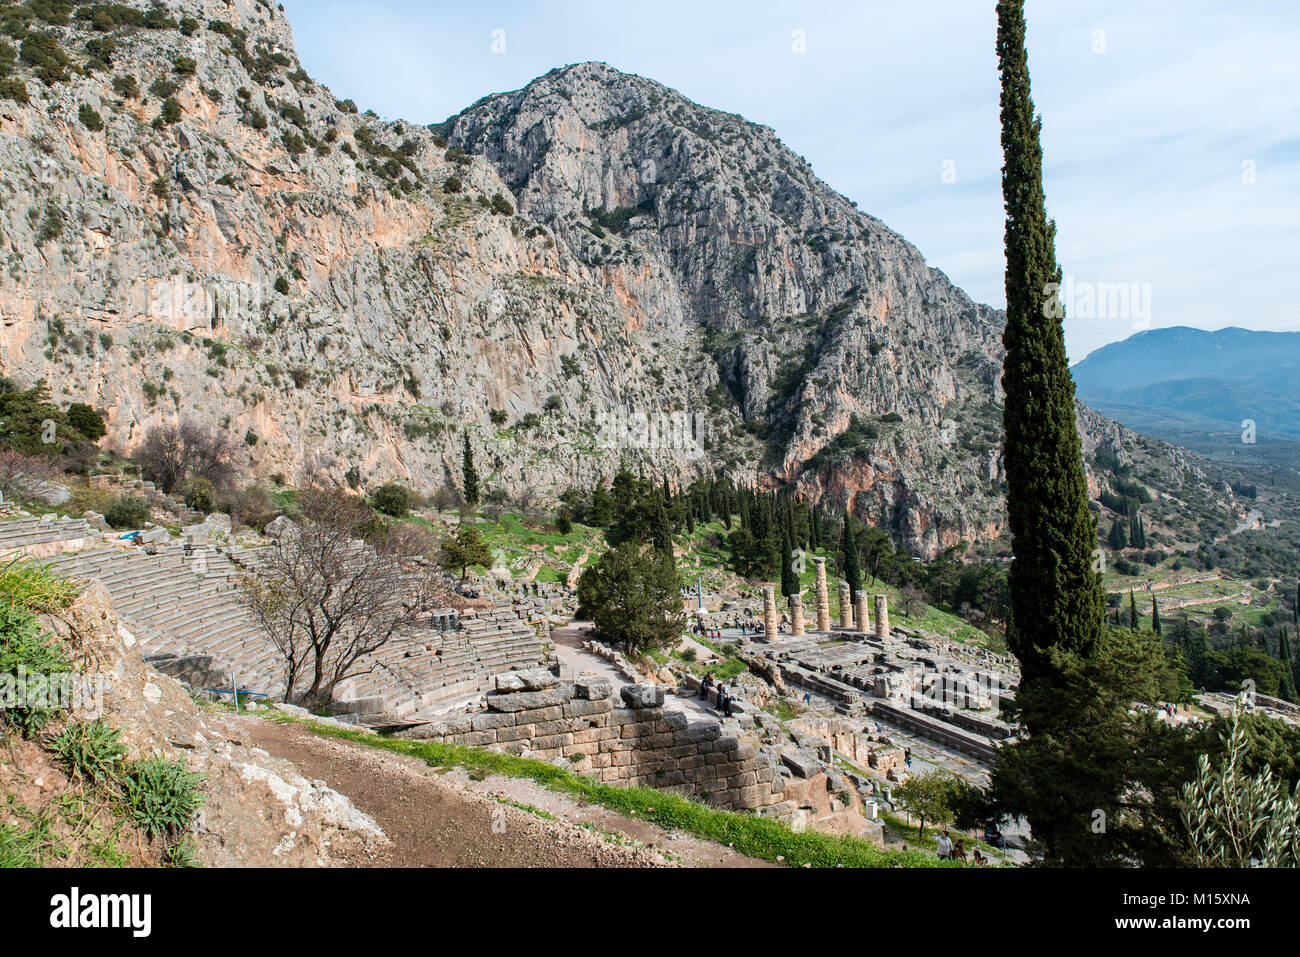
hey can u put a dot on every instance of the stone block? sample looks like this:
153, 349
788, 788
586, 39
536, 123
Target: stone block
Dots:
540, 715
698, 732
532, 679
592, 689
529, 700
521, 732
802, 763
492, 720
579, 708
675, 721
642, 696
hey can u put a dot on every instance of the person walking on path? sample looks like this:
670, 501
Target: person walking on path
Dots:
943, 844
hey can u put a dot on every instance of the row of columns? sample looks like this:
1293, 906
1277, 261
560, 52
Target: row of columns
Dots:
847, 610
848, 614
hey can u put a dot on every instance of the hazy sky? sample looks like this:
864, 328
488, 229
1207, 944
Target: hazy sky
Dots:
1171, 129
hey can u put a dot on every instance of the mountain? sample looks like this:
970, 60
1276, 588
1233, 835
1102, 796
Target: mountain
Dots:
194, 228
1184, 380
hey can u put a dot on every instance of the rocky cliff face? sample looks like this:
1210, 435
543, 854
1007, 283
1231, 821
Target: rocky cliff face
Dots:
868, 378
229, 242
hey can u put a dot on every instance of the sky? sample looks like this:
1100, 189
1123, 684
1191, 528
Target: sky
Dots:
1171, 129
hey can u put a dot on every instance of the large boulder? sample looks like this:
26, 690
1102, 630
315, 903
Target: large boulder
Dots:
642, 696
281, 527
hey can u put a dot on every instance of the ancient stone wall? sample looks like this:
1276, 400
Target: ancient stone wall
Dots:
631, 741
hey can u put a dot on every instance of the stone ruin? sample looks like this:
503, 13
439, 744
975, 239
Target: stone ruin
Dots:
630, 740
744, 763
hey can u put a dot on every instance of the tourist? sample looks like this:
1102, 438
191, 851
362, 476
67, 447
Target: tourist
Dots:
978, 858
705, 685
943, 844
959, 852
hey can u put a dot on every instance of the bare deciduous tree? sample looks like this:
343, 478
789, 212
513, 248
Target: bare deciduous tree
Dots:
327, 600
22, 476
170, 454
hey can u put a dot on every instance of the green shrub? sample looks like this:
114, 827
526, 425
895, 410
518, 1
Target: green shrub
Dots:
92, 750
87, 420
51, 225
127, 512
12, 88
200, 495
34, 587
185, 66
163, 795
453, 184
182, 853
294, 144
171, 111
90, 118
392, 499
126, 87
42, 52
282, 287
24, 649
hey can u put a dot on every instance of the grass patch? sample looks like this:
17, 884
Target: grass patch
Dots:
34, 587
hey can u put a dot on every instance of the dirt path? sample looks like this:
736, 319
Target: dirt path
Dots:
448, 820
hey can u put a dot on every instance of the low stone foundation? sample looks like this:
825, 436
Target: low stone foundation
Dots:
629, 742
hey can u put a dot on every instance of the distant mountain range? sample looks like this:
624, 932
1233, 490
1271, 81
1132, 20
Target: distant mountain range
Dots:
1181, 380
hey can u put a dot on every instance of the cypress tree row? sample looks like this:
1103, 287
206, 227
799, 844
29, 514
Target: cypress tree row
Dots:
1056, 596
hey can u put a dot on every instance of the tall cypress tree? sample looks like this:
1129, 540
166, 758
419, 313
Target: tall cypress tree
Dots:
1288, 666
1132, 610
852, 567
469, 474
1155, 616
789, 580
1056, 597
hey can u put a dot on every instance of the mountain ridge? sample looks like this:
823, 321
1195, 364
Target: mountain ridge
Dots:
1224, 377
345, 294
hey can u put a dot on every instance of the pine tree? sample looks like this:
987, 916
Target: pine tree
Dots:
469, 474
1056, 597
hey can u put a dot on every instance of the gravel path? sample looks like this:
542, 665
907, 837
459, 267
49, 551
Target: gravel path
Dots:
448, 819
433, 822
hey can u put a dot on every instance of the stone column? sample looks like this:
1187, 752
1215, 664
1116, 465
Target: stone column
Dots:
769, 612
796, 615
846, 606
860, 610
823, 597
882, 616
